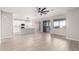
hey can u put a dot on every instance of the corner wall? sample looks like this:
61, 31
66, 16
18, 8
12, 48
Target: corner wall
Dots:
0, 23
72, 31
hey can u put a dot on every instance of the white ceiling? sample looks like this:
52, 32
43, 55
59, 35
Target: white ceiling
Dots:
23, 12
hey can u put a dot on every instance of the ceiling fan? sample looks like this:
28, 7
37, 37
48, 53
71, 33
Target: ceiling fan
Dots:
42, 10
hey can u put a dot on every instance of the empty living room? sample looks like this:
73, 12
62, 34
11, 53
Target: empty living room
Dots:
39, 29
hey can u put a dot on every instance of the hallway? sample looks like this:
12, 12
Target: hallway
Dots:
38, 42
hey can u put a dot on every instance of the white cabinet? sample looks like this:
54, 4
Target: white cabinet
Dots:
27, 30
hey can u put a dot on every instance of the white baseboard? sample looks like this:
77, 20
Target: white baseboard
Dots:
9, 36
58, 34
69, 38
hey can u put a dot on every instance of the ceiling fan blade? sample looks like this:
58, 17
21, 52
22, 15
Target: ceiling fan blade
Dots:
46, 11
43, 9
43, 13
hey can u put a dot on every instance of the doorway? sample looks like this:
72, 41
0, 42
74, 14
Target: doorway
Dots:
46, 26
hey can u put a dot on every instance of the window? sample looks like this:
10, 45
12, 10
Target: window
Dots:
56, 24
62, 23
59, 23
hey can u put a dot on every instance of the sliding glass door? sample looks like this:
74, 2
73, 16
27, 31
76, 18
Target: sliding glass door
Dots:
46, 26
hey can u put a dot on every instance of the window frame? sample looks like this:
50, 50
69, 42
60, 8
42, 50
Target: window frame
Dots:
58, 20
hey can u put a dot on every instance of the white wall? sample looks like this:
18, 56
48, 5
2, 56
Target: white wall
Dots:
0, 24
73, 24
40, 26
6, 25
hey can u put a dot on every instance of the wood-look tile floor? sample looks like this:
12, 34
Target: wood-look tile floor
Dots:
38, 42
